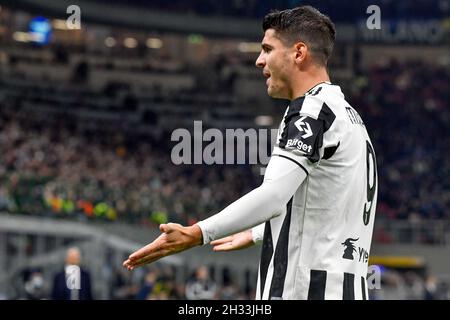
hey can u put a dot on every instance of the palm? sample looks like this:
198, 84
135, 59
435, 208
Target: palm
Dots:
237, 241
175, 238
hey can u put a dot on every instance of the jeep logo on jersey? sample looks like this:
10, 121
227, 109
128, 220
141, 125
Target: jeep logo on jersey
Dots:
363, 254
349, 248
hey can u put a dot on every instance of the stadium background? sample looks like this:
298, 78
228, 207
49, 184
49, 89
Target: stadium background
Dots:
86, 118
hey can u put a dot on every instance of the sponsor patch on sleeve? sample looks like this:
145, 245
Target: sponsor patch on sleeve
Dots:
303, 136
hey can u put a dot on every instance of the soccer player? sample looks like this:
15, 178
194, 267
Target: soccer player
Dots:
314, 212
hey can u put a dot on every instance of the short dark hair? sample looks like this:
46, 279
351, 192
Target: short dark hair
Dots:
305, 24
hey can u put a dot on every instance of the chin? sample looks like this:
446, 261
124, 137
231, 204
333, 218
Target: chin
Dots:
271, 92
274, 94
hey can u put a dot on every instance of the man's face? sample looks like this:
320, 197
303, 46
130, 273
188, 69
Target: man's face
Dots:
277, 61
73, 257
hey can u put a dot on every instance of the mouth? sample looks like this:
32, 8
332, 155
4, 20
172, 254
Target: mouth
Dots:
267, 76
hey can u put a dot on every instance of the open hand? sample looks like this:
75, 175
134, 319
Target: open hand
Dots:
174, 238
236, 241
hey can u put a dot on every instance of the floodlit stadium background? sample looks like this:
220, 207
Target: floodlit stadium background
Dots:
86, 117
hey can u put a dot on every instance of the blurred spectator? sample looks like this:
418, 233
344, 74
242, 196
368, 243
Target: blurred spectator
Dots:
228, 291
149, 283
202, 287
392, 287
34, 285
121, 288
74, 283
430, 288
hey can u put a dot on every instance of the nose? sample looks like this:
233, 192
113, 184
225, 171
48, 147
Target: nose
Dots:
261, 61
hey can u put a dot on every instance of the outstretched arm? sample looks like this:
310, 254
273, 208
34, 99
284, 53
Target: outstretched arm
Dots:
282, 179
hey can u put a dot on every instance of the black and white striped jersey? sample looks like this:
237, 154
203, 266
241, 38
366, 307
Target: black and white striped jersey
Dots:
318, 247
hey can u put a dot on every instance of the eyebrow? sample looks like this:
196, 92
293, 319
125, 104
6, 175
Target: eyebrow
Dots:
266, 46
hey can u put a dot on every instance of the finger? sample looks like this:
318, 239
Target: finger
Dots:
224, 247
163, 227
140, 253
148, 249
169, 227
146, 260
221, 241
143, 252
150, 257
126, 265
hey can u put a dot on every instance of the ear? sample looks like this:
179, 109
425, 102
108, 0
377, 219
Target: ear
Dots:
301, 50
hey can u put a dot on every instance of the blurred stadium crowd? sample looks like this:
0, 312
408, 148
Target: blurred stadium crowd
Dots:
159, 283
154, 283
52, 167
58, 172
409, 121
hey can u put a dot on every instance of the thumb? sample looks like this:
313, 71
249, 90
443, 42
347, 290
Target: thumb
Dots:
164, 228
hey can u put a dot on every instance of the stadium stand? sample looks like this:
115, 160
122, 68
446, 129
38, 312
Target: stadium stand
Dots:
85, 136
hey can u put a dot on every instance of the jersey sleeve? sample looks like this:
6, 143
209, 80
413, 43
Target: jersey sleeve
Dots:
281, 180
308, 135
258, 233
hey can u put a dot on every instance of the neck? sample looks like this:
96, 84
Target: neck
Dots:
307, 79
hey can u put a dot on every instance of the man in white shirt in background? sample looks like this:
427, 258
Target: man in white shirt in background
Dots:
74, 283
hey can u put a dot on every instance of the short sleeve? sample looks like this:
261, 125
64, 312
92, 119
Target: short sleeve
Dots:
308, 133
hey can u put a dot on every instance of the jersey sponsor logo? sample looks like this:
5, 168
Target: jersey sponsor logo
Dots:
350, 248
363, 255
307, 129
299, 141
303, 126
299, 144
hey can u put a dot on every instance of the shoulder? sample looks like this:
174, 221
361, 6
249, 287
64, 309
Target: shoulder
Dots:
326, 102
59, 277
321, 98
85, 272
59, 274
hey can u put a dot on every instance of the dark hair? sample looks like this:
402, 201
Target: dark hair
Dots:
305, 24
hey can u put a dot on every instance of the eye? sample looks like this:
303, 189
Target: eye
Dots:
266, 49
